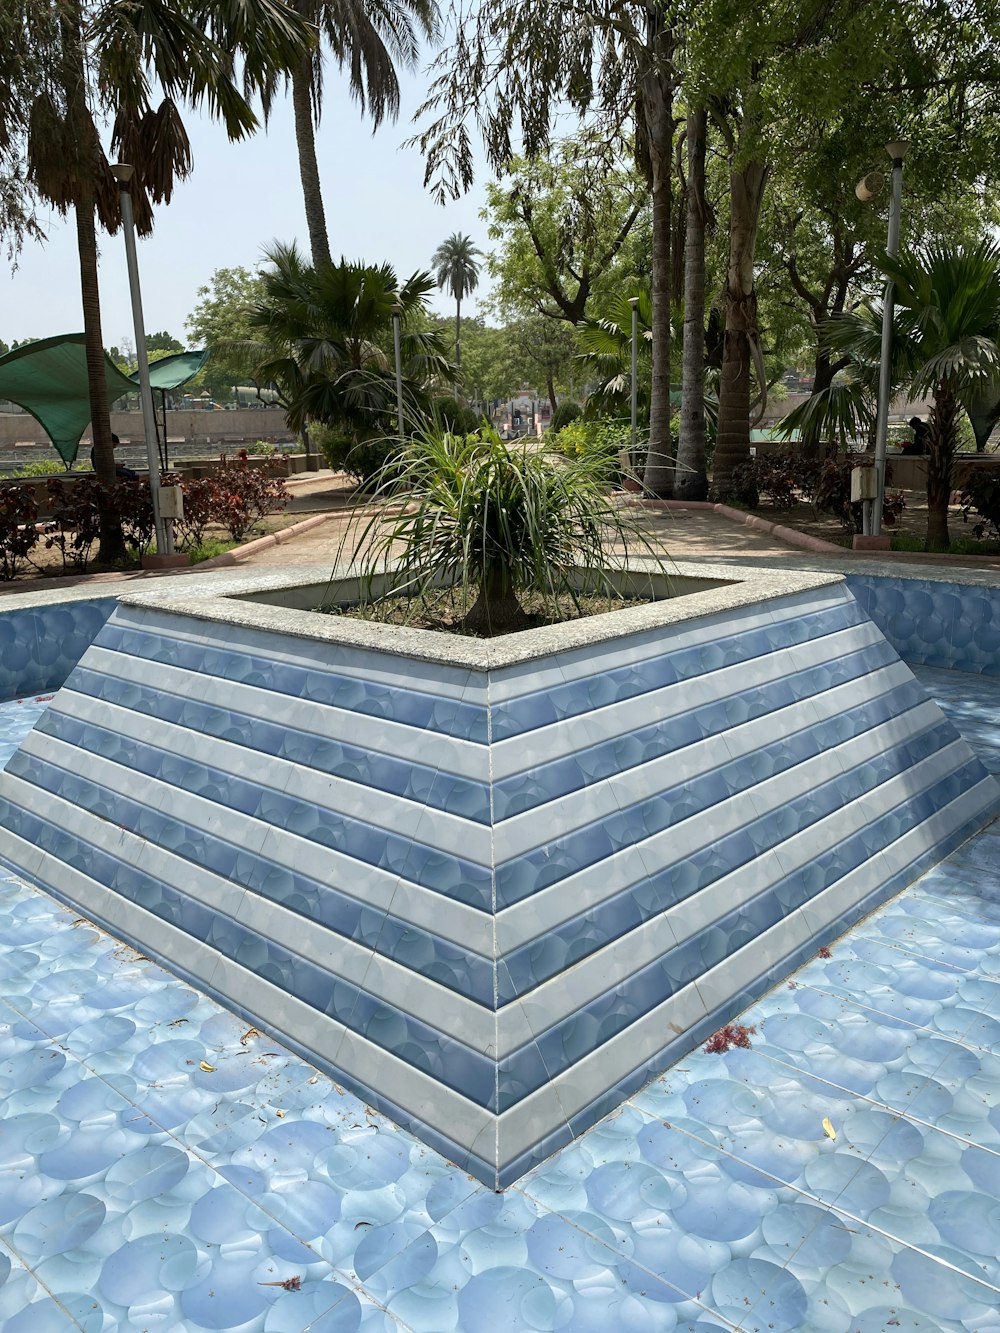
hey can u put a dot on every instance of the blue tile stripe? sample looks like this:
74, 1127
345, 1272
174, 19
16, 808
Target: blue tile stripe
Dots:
531, 710
397, 702
631, 749
419, 863
340, 759
522, 876
578, 937
612, 1012
431, 1050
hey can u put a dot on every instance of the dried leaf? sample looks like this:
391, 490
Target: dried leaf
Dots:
828, 1129
249, 1036
208, 1069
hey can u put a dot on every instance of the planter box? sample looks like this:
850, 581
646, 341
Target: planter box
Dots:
492, 886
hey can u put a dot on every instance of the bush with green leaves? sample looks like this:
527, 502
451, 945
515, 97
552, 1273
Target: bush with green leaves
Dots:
363, 460
457, 417
496, 522
606, 437
564, 414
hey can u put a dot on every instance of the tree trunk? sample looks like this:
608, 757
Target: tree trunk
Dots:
941, 447
823, 373
690, 481
656, 99
551, 386
496, 610
111, 547
305, 142
458, 333
732, 447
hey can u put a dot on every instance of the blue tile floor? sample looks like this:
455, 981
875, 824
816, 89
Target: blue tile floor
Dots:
164, 1168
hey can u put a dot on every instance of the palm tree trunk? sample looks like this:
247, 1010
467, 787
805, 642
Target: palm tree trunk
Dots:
941, 446
690, 481
111, 547
458, 333
656, 98
305, 142
732, 447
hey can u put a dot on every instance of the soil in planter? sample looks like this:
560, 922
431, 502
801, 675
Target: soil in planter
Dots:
445, 610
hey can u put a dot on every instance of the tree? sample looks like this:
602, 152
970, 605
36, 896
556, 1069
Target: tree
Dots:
946, 324
690, 479
220, 319
323, 333
25, 27
368, 37
563, 222
457, 272
106, 62
610, 61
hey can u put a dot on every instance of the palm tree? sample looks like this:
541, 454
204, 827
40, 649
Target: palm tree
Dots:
457, 271
947, 319
369, 37
690, 478
324, 331
106, 62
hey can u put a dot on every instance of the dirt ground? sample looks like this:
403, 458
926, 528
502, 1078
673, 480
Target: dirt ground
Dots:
912, 522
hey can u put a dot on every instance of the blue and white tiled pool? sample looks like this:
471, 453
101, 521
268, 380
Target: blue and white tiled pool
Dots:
165, 1167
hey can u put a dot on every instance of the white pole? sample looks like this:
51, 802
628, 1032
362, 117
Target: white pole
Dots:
164, 534
634, 303
396, 312
896, 151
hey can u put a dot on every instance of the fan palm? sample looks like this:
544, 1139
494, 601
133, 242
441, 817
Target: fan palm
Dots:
323, 336
607, 354
945, 327
457, 272
131, 64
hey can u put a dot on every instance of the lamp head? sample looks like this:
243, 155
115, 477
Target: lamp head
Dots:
633, 301
122, 172
897, 150
397, 309
869, 186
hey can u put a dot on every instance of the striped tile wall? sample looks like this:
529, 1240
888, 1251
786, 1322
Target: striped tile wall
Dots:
492, 902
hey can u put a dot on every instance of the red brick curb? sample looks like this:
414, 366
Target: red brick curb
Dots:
239, 553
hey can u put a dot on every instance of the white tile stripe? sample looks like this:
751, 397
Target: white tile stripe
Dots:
383, 890
576, 894
516, 754
343, 659
371, 805
587, 805
567, 992
455, 1117
397, 739
578, 1087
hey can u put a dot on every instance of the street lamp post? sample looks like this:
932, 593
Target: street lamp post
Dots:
397, 311
634, 303
864, 190
123, 174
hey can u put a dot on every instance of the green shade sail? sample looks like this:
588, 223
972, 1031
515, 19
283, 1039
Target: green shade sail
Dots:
170, 372
48, 378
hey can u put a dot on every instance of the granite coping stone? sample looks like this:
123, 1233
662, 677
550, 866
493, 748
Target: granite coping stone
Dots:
231, 603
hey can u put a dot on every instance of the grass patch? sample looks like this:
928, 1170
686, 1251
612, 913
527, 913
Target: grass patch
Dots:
209, 549
910, 541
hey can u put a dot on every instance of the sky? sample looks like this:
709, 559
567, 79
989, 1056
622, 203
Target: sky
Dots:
239, 199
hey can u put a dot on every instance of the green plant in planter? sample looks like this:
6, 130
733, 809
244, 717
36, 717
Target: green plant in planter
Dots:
497, 521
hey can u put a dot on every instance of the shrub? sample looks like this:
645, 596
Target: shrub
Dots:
132, 502
75, 514
456, 417
496, 521
981, 497
564, 414
43, 469
242, 496
363, 460
607, 437
18, 534
189, 533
